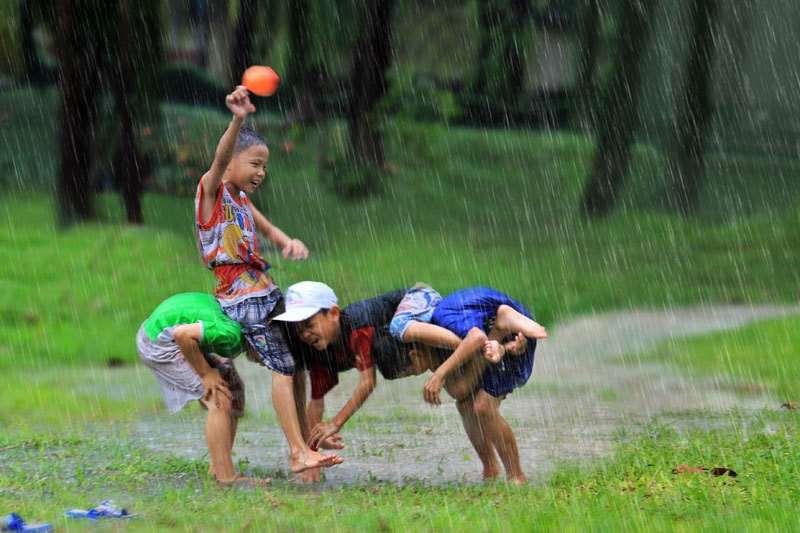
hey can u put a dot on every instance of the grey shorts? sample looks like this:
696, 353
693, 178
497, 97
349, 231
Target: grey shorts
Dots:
179, 383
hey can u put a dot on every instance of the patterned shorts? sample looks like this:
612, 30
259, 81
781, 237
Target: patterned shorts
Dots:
416, 306
267, 339
178, 381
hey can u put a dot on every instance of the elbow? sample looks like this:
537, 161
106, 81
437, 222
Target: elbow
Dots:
476, 335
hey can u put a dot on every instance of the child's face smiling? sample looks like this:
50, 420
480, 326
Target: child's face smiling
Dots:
321, 330
248, 169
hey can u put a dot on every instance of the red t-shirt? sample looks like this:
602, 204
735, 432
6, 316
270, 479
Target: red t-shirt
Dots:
324, 377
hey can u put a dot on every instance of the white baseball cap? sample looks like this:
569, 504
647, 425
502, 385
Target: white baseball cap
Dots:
305, 299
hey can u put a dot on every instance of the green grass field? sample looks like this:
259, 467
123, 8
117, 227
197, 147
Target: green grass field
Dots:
465, 208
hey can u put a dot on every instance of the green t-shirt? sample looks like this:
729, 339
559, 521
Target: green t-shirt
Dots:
221, 335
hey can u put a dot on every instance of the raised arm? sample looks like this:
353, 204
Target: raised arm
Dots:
276, 237
323, 430
239, 104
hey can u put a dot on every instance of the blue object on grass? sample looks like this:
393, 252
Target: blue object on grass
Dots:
107, 509
14, 522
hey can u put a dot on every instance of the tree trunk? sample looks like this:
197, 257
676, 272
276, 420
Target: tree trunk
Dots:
589, 35
618, 113
79, 81
32, 67
306, 77
219, 49
242, 51
368, 83
694, 110
126, 164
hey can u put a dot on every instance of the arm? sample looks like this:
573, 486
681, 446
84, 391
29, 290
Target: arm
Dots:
431, 335
275, 236
366, 385
472, 343
239, 104
188, 336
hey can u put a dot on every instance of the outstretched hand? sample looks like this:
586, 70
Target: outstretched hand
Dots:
239, 102
296, 249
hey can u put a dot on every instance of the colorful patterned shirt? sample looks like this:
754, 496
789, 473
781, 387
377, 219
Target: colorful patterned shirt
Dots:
229, 246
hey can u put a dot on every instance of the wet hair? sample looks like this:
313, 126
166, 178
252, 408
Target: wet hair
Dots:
247, 138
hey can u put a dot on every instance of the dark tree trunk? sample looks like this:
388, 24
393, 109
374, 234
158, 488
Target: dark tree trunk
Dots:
307, 78
589, 35
79, 80
127, 161
618, 113
371, 59
32, 67
694, 110
242, 51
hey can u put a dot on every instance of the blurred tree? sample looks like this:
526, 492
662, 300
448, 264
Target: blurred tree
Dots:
81, 41
694, 110
618, 114
242, 49
589, 25
135, 84
32, 69
498, 77
220, 43
105, 44
306, 69
371, 58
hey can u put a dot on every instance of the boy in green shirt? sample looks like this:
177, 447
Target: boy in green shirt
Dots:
189, 344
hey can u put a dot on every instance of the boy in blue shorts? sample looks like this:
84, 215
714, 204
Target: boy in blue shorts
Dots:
497, 326
227, 226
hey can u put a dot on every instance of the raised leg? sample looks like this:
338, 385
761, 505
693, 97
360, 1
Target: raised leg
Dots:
511, 321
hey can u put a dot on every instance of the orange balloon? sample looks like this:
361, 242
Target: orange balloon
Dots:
261, 80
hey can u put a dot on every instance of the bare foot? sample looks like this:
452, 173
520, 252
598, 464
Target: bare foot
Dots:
311, 459
508, 319
493, 351
248, 481
517, 346
517, 480
490, 474
312, 475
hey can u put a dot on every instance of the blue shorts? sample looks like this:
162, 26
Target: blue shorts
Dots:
268, 339
477, 308
416, 306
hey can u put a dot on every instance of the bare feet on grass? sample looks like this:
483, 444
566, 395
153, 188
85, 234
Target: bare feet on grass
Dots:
310, 459
517, 480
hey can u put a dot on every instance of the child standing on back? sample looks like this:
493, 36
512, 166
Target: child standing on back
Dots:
226, 228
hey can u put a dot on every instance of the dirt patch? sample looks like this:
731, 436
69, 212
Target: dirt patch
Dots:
578, 398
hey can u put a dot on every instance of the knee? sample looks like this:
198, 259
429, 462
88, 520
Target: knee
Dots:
222, 405
484, 407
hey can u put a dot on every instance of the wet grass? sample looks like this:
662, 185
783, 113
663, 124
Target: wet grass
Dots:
42, 476
465, 207
758, 358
